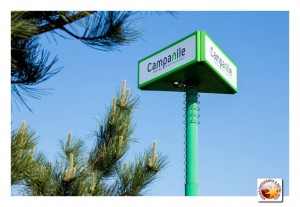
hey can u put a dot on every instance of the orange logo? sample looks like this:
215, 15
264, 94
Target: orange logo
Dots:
269, 189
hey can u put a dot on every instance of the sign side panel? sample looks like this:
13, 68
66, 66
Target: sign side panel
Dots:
221, 64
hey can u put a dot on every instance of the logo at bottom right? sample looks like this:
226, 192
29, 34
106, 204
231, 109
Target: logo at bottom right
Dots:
269, 190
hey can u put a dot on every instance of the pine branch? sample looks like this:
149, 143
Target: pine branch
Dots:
106, 30
135, 178
22, 151
43, 182
73, 174
113, 135
62, 20
30, 66
30, 63
22, 28
29, 168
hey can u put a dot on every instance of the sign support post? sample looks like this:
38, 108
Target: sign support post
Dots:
191, 185
194, 64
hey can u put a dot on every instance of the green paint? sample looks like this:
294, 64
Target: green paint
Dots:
191, 185
202, 48
198, 42
196, 71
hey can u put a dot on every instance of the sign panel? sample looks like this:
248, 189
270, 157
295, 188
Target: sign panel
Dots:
194, 60
167, 60
215, 57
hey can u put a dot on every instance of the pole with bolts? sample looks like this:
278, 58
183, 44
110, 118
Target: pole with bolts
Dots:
191, 185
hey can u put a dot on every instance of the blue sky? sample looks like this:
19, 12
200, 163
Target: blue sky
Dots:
242, 137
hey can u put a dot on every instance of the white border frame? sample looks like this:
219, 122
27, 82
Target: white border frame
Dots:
213, 5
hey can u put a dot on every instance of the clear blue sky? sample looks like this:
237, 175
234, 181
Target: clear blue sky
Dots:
242, 137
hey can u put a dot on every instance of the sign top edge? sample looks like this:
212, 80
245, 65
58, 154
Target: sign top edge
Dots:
170, 45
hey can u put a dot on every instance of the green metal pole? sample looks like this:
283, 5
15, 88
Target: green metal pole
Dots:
191, 185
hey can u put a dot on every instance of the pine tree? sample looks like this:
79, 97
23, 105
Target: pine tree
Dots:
30, 63
102, 172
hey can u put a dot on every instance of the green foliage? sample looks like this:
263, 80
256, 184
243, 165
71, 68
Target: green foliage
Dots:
113, 135
23, 158
31, 64
136, 176
100, 172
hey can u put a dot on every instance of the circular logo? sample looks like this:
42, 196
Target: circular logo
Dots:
269, 189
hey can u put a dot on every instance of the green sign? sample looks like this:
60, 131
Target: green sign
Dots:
193, 60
